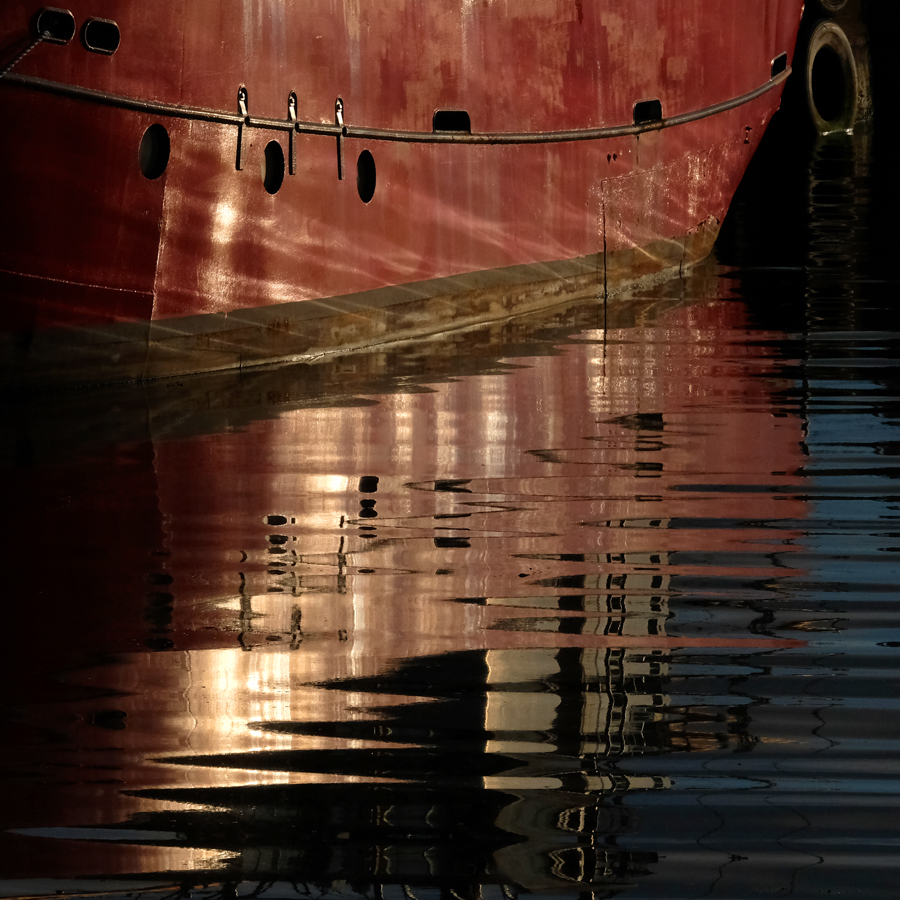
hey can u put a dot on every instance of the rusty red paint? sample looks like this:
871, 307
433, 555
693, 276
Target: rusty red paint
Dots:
103, 244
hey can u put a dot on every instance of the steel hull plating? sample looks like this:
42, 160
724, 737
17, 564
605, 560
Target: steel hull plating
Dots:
605, 145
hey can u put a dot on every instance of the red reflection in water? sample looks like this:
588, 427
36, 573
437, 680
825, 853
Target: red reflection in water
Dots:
202, 586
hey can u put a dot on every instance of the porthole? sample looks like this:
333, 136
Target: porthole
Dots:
101, 36
451, 120
365, 176
272, 167
55, 25
647, 111
154, 151
779, 65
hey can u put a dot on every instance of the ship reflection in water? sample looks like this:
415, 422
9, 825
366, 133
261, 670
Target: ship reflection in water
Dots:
596, 600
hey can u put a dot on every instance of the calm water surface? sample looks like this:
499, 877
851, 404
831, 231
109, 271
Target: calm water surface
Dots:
602, 601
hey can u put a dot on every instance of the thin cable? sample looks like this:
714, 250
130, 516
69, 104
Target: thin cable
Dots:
23, 54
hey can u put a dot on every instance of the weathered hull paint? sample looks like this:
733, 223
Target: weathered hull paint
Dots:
107, 275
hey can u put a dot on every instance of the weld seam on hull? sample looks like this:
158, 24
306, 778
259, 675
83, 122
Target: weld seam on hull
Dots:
380, 134
78, 284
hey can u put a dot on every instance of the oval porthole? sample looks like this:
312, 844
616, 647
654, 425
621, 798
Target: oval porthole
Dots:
272, 167
154, 151
101, 36
55, 25
365, 176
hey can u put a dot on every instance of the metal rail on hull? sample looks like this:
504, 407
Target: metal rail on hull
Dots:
386, 134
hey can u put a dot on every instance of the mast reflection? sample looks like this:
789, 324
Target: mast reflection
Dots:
410, 643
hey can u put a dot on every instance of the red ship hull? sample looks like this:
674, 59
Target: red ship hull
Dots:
483, 161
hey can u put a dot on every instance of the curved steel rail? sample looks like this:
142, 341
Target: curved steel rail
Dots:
386, 134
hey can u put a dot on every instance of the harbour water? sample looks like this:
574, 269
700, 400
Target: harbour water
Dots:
600, 601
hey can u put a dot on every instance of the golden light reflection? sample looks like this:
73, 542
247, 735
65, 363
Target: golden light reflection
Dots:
320, 566
224, 222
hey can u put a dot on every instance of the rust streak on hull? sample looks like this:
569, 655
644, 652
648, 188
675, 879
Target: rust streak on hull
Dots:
603, 149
